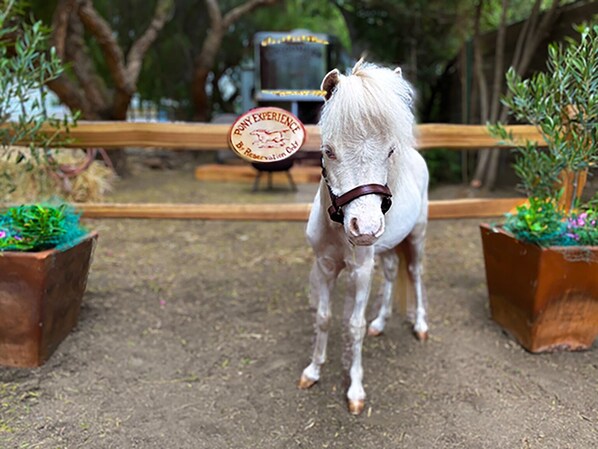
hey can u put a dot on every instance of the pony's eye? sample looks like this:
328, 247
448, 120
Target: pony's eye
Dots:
392, 150
329, 153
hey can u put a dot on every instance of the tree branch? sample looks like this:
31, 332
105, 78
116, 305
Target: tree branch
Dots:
113, 55
499, 61
540, 32
60, 23
236, 13
84, 68
478, 63
484, 154
70, 95
162, 15
87, 92
213, 39
525, 31
211, 45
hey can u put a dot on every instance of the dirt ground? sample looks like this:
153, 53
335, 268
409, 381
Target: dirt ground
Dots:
193, 335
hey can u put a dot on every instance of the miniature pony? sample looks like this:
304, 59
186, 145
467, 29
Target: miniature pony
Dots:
372, 197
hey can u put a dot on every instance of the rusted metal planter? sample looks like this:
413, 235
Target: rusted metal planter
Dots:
547, 298
40, 299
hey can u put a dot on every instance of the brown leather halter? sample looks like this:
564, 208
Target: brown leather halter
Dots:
336, 210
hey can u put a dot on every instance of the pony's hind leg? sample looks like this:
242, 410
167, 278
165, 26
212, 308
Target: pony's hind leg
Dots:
416, 242
390, 263
323, 274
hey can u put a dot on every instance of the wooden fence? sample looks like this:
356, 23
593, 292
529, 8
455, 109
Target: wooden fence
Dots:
202, 137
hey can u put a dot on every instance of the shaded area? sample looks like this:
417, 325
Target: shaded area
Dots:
193, 335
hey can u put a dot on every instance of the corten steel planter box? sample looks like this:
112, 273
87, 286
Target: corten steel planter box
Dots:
547, 298
40, 299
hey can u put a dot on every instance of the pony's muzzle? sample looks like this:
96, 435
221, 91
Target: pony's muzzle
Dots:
364, 232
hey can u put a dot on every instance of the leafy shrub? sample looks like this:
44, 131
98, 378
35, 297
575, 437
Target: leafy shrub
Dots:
26, 64
563, 104
36, 227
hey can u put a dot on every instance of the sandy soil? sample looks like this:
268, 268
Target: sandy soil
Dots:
193, 335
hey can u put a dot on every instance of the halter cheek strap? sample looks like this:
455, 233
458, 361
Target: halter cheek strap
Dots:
335, 211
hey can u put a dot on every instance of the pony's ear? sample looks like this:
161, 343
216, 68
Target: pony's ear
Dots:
329, 82
398, 71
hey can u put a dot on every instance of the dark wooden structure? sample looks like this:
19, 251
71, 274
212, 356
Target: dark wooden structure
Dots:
457, 94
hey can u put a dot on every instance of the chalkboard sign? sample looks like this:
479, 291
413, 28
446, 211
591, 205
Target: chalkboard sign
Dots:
291, 61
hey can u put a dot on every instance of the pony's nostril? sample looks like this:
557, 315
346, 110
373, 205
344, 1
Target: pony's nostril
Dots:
353, 226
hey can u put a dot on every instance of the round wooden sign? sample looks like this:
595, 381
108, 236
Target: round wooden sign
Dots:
266, 134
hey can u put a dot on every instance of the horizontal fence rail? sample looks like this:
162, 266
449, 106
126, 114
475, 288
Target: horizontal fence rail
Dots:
444, 209
202, 137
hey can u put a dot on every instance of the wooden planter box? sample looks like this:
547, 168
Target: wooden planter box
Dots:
40, 299
547, 298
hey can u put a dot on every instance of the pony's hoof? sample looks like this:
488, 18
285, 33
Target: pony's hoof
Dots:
373, 332
356, 407
305, 383
421, 335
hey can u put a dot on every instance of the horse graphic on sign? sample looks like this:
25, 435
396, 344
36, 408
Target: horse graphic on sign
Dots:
269, 139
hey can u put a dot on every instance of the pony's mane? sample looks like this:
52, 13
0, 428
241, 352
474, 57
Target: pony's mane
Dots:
370, 101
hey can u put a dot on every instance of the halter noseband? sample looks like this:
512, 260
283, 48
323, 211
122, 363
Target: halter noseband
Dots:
335, 211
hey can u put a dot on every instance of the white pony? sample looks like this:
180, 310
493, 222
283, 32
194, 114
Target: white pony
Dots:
368, 155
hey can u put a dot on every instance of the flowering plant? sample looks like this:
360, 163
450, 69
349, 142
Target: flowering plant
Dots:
582, 229
563, 104
543, 223
36, 227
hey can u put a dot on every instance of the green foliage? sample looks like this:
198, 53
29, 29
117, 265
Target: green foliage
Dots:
25, 66
563, 104
421, 36
539, 222
443, 165
316, 16
538, 170
37, 227
518, 10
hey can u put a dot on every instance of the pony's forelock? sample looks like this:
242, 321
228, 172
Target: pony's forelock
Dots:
370, 102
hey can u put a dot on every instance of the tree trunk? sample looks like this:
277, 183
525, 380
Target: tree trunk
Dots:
483, 154
528, 41
529, 50
86, 91
206, 58
118, 157
200, 96
497, 86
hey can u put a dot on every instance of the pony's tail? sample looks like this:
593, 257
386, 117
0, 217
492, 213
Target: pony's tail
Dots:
404, 295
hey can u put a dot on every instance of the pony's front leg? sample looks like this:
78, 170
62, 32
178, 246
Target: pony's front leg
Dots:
390, 264
416, 241
361, 268
323, 274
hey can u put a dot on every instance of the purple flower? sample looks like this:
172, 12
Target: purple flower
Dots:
581, 219
2, 234
572, 236
17, 238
